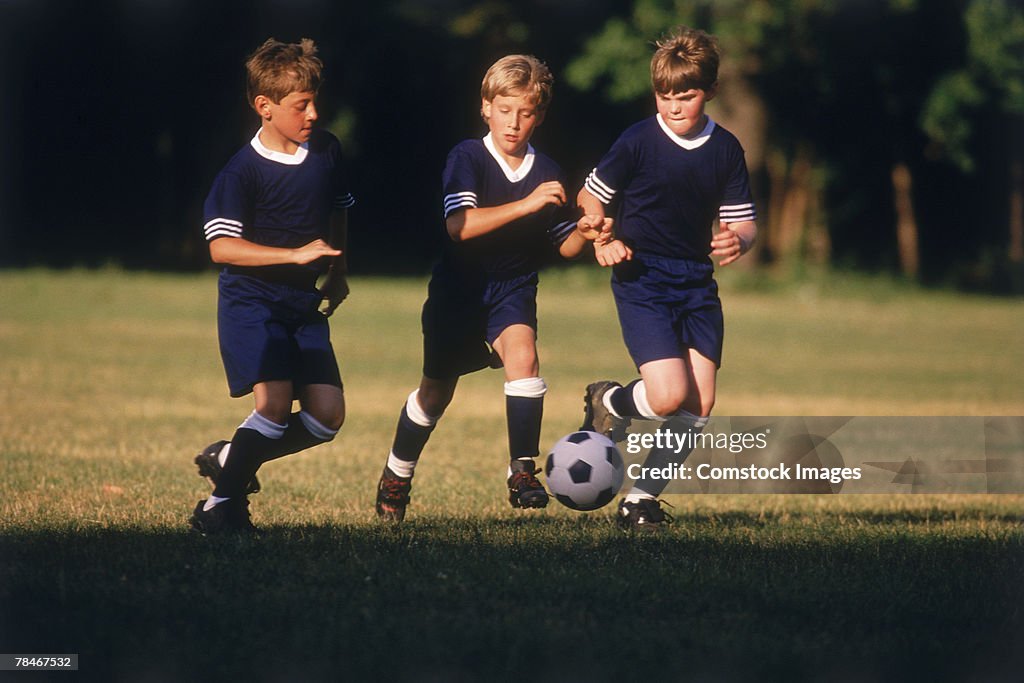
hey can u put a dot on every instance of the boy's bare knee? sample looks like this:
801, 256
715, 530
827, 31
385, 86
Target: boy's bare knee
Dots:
324, 404
434, 396
328, 411
331, 415
334, 420
665, 404
433, 403
277, 412
521, 366
274, 400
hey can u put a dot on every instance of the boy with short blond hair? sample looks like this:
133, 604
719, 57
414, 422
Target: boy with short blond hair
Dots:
502, 202
669, 178
276, 220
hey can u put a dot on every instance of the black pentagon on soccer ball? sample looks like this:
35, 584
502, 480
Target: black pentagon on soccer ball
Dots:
567, 501
610, 453
580, 472
603, 498
578, 437
549, 465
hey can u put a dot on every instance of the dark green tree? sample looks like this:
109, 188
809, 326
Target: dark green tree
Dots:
987, 88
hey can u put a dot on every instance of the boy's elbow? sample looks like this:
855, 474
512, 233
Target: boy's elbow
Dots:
747, 233
215, 254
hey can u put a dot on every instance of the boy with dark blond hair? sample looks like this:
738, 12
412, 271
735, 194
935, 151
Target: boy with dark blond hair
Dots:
668, 178
276, 220
502, 217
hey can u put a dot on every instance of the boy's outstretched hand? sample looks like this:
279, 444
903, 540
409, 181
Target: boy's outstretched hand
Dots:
312, 251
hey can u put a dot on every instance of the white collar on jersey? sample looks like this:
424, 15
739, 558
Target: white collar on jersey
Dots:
518, 174
280, 157
687, 143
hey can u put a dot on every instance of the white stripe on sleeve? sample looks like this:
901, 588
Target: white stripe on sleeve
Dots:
459, 200
598, 188
736, 213
222, 227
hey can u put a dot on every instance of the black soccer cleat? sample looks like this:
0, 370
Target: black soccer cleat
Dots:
229, 517
392, 496
208, 462
596, 417
644, 516
524, 489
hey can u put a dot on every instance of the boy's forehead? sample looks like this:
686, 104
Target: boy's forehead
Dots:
517, 97
679, 93
296, 95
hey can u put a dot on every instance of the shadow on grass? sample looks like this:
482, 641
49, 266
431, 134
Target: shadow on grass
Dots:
541, 597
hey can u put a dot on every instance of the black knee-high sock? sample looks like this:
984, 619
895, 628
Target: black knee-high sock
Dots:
523, 416
410, 438
622, 401
248, 448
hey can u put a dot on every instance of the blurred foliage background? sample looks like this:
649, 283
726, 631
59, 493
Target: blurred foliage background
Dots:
882, 135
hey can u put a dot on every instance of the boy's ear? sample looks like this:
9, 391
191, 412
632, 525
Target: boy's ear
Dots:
710, 93
485, 108
261, 103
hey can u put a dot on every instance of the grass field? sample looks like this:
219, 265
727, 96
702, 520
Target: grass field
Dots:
110, 381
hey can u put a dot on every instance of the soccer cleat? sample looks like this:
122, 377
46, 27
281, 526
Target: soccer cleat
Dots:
596, 417
392, 496
229, 517
209, 465
524, 489
645, 516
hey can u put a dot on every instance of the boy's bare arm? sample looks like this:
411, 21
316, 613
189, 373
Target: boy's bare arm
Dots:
733, 240
590, 205
335, 286
474, 222
237, 251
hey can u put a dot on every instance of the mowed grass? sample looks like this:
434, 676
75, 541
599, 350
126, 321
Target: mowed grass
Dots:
111, 381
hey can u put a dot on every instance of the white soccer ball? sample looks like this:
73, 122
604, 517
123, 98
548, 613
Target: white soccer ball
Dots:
584, 470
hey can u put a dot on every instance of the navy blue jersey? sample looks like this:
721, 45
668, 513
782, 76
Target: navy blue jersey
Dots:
670, 189
476, 175
279, 200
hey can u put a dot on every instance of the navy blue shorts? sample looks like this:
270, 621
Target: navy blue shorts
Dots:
461, 322
667, 306
272, 332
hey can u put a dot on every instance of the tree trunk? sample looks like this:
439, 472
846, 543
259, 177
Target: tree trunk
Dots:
793, 231
906, 222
